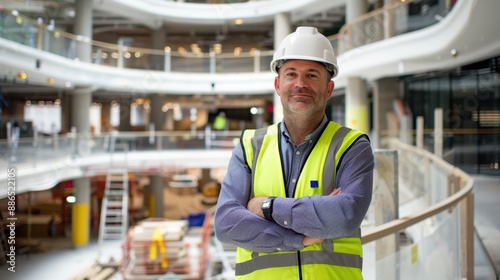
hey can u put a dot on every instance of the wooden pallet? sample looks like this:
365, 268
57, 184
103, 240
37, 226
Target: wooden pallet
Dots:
95, 272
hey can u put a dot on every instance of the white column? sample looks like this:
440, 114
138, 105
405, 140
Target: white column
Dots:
438, 132
420, 132
385, 91
156, 196
80, 224
159, 41
156, 182
80, 119
80, 110
156, 113
281, 30
354, 9
125, 111
83, 27
356, 104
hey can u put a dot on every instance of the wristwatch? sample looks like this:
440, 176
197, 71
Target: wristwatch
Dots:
267, 208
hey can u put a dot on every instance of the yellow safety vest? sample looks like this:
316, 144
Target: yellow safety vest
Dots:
332, 259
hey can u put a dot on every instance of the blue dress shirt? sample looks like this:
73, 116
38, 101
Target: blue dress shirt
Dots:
318, 216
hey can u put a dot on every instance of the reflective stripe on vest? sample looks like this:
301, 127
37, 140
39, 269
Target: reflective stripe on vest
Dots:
325, 256
340, 257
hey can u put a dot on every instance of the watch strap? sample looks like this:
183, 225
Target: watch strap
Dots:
268, 211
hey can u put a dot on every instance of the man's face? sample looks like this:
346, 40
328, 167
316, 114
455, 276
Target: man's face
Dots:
304, 87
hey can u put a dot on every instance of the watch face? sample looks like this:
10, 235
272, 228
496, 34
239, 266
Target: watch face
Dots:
265, 204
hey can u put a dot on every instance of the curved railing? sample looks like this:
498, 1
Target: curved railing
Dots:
20, 29
438, 222
387, 22
42, 162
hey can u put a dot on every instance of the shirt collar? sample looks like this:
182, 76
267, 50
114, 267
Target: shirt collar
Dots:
314, 136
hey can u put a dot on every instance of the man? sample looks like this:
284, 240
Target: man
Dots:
295, 193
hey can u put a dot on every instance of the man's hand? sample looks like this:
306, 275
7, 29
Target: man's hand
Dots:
254, 205
310, 240
336, 191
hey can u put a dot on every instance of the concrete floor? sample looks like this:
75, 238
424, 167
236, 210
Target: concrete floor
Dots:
487, 225
62, 261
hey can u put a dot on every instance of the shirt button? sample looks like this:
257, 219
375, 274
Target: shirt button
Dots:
293, 180
285, 223
297, 152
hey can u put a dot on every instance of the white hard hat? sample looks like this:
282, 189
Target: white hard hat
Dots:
306, 43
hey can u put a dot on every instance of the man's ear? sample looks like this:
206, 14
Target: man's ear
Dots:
331, 86
277, 85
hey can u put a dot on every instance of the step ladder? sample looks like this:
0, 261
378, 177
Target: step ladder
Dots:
114, 217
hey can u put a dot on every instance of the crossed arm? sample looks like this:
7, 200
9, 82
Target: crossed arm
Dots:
254, 207
298, 222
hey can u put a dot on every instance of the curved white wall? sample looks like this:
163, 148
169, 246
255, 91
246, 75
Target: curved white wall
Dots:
154, 12
472, 29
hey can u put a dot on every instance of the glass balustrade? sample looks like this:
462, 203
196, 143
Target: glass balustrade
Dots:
45, 149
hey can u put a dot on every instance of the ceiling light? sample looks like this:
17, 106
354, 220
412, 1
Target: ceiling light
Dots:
217, 48
22, 75
237, 51
71, 199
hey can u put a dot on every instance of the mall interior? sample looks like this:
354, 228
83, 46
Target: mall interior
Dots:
118, 119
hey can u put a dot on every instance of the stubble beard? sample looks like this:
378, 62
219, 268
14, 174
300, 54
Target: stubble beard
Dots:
308, 108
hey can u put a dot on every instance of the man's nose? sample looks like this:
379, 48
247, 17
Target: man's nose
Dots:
301, 81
